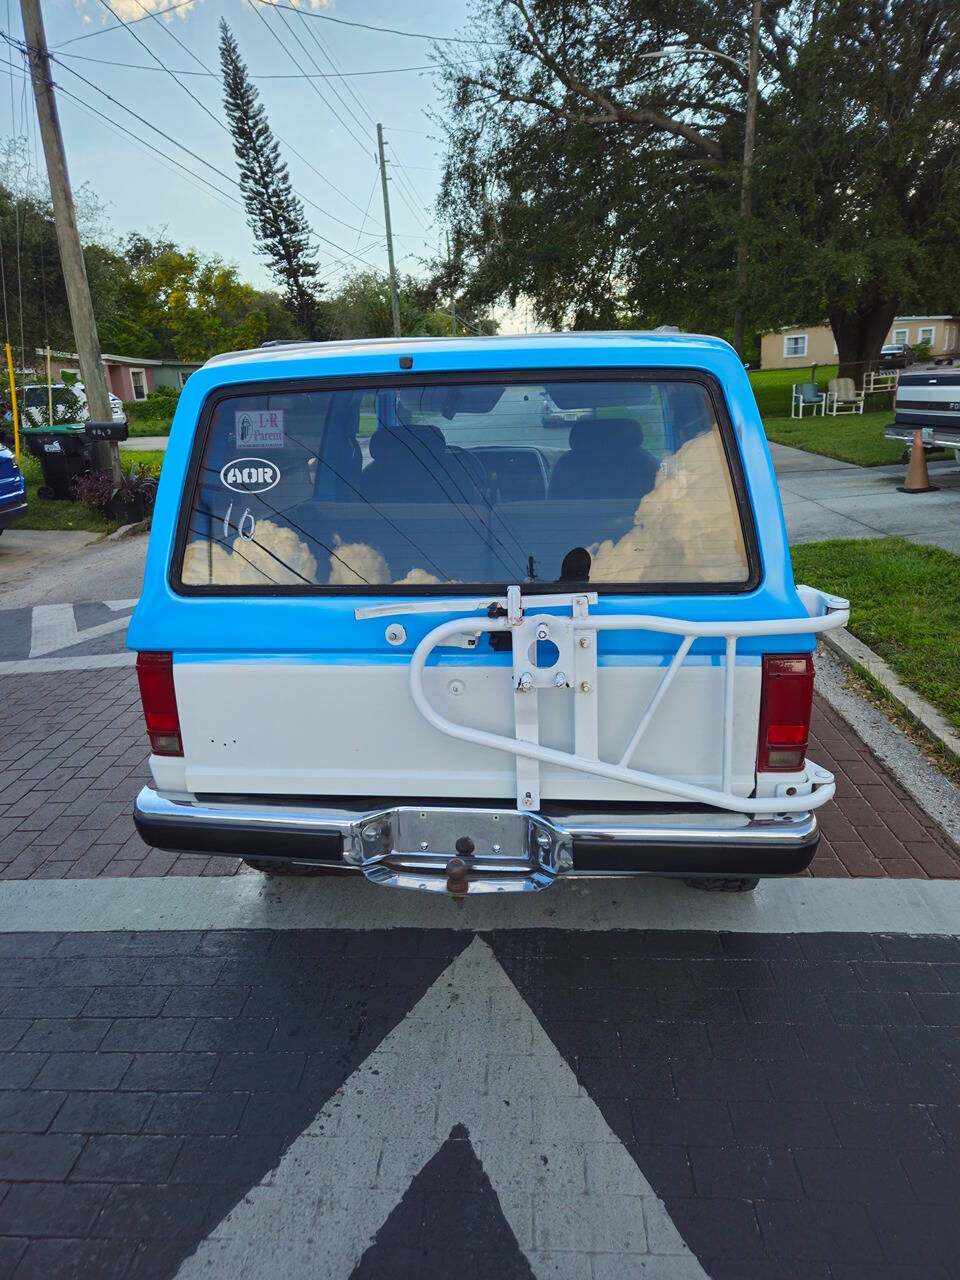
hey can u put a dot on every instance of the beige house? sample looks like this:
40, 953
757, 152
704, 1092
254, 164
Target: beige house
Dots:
799, 346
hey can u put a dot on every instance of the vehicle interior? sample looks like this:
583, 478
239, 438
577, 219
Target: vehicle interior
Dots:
464, 484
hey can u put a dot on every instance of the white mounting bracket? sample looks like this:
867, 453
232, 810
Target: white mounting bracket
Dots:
551, 653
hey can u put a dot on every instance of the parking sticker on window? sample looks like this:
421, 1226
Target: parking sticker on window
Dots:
259, 429
250, 475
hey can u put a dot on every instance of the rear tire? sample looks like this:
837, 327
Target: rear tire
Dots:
725, 884
270, 868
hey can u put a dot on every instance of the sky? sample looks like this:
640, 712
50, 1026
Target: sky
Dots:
337, 176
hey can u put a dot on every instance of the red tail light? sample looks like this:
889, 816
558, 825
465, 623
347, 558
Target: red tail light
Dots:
159, 698
786, 699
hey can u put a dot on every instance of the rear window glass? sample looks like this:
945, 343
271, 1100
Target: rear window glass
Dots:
619, 484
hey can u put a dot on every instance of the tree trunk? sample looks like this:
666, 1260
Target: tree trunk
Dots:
859, 335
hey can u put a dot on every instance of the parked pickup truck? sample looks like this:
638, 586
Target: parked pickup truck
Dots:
459, 655
928, 401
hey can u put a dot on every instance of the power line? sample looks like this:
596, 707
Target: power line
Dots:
136, 115
88, 34
363, 107
283, 75
197, 181
188, 174
206, 71
368, 26
313, 86
182, 146
329, 57
367, 210
162, 65
223, 197
143, 45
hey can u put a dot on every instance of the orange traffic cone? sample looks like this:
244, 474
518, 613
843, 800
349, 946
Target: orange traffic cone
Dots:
918, 479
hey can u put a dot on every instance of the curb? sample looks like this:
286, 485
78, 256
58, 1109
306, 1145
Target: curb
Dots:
128, 530
856, 654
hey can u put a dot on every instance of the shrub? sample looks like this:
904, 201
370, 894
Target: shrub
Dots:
97, 488
158, 404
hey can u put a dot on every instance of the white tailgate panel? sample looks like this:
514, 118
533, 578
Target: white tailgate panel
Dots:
324, 729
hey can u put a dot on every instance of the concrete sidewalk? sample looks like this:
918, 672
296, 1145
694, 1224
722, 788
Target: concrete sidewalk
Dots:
146, 444
823, 498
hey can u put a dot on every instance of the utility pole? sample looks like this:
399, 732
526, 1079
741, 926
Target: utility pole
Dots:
395, 301
453, 296
71, 254
749, 138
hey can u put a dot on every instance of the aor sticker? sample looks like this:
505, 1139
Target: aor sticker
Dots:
250, 475
259, 428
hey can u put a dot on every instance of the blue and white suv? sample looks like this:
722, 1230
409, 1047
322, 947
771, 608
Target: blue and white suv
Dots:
390, 625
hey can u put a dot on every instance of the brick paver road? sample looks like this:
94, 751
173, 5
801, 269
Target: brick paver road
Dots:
73, 757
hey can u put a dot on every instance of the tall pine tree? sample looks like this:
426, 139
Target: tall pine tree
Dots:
274, 213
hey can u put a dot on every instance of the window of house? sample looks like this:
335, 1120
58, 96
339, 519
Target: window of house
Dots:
139, 381
795, 344
182, 377
926, 334
901, 335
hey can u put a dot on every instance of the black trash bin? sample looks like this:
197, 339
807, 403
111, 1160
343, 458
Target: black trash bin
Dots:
64, 452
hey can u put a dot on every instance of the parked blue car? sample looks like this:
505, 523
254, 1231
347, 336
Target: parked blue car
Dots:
13, 491
390, 625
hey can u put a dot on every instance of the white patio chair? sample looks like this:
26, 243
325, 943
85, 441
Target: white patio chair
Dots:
843, 397
807, 396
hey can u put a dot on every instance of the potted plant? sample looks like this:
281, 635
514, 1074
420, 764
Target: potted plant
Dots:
126, 502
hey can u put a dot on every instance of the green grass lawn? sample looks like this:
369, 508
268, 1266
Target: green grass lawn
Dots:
774, 387
42, 514
904, 604
151, 458
851, 437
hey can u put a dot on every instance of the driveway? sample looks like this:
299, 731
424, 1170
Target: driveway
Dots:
823, 498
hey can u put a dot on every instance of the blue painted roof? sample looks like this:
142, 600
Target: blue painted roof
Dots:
477, 352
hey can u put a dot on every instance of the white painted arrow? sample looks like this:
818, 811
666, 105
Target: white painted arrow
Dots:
470, 1052
54, 626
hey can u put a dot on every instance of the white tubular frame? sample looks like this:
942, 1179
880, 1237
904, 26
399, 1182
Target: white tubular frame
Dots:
825, 613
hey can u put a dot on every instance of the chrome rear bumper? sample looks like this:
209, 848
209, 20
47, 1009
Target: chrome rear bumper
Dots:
410, 846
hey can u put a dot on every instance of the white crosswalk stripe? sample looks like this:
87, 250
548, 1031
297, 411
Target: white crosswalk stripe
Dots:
54, 627
470, 1052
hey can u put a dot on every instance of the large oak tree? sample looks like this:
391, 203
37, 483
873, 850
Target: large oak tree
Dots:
604, 183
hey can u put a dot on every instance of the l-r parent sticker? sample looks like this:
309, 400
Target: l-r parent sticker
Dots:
259, 428
249, 475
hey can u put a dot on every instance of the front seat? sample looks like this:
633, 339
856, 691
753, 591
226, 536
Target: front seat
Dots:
606, 460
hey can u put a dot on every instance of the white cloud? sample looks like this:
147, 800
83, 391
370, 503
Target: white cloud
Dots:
685, 529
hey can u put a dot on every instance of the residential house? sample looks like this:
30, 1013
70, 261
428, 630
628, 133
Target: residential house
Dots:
129, 377
799, 346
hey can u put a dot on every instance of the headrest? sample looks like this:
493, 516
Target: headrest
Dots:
623, 435
388, 444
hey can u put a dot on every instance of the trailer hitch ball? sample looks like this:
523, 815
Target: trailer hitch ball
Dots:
457, 883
